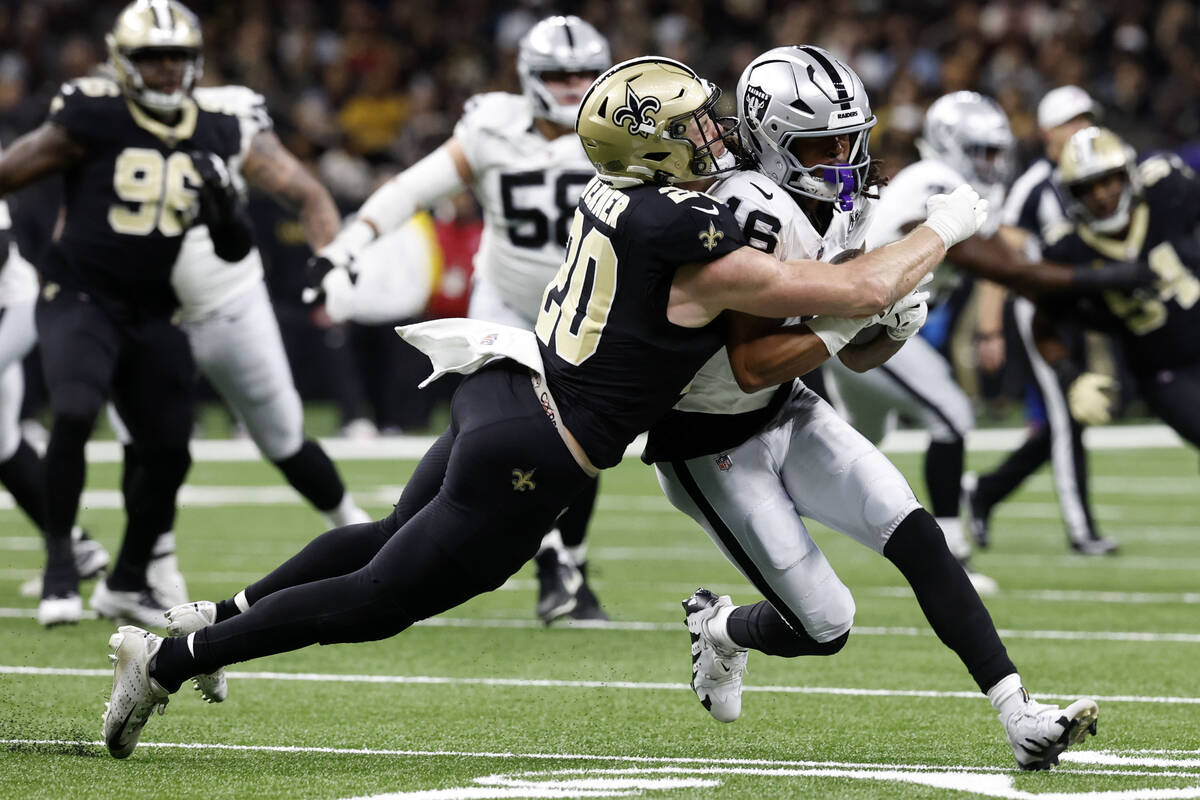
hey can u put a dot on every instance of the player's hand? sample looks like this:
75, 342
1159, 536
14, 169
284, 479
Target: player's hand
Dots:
906, 316
320, 266
990, 351
1091, 398
337, 289
220, 207
956, 216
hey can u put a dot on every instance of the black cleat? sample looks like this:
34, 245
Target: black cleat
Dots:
558, 585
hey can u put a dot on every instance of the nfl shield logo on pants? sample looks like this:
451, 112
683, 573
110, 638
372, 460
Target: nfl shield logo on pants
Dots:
724, 463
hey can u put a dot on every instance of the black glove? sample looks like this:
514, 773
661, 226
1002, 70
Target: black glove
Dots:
1117, 276
221, 208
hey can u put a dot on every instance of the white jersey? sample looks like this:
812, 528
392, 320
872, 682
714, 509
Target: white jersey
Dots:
202, 280
902, 206
774, 224
528, 188
18, 278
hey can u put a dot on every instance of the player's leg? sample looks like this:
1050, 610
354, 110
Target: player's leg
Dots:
1175, 396
79, 347
469, 539
241, 352
1067, 455
153, 391
21, 470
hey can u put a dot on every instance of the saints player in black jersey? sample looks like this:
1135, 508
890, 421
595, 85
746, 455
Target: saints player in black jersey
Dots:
126, 148
635, 310
1120, 210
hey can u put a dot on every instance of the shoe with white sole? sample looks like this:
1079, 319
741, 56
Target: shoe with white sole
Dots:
1038, 733
60, 610
90, 559
135, 695
141, 607
716, 671
189, 618
558, 584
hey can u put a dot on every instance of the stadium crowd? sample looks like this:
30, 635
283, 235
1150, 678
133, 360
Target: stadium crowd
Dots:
361, 89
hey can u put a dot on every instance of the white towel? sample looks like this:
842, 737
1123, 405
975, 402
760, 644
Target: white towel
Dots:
465, 345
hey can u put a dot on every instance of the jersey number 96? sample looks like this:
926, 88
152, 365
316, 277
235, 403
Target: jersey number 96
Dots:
155, 192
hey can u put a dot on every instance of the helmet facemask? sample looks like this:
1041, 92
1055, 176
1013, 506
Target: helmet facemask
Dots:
702, 130
841, 183
160, 102
1118, 220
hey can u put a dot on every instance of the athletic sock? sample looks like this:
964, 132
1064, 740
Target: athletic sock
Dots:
314, 476
174, 663
761, 627
950, 602
943, 476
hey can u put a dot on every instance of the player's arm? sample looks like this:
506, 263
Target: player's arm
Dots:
764, 352
869, 355
1091, 396
44, 151
271, 167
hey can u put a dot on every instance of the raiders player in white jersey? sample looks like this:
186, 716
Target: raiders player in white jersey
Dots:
521, 158
227, 315
747, 459
966, 139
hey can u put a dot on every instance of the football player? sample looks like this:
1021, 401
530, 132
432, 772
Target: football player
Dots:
520, 157
966, 139
21, 471
634, 311
1032, 209
748, 466
135, 153
1120, 210
226, 313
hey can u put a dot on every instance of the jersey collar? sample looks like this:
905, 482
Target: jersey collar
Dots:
171, 134
1116, 249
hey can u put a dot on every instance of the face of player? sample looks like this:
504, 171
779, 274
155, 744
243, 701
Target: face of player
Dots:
568, 88
702, 130
162, 70
1102, 196
813, 150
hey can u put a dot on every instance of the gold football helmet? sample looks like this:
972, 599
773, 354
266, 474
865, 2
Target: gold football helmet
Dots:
651, 120
1090, 154
149, 25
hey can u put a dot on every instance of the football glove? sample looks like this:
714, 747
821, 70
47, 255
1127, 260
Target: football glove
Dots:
836, 332
906, 316
956, 216
221, 208
1091, 397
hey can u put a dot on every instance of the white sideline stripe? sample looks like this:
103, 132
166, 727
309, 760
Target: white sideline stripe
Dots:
672, 627
548, 683
1122, 437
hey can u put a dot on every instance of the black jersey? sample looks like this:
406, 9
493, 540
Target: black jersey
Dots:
1160, 329
132, 196
614, 362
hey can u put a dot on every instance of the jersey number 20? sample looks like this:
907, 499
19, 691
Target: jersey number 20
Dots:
158, 185
575, 305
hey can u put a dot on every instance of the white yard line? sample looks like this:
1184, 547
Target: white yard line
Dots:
548, 683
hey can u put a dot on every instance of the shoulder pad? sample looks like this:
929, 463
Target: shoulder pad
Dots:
1157, 167
495, 111
239, 101
91, 86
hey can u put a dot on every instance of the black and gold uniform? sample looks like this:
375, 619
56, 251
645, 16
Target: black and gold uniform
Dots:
104, 314
1157, 329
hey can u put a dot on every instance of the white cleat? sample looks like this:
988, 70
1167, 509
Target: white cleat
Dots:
189, 618
716, 671
1038, 733
61, 610
140, 607
135, 695
984, 586
163, 575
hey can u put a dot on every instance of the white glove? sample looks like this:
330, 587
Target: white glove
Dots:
1091, 397
338, 288
349, 242
836, 332
906, 316
956, 216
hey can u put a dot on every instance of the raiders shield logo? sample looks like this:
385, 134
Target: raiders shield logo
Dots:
636, 112
756, 105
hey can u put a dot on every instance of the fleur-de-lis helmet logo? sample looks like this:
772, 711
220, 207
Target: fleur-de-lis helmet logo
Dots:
636, 112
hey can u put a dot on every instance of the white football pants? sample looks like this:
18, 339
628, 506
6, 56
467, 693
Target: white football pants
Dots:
18, 334
808, 462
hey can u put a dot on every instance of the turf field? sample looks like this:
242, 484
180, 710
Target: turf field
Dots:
484, 703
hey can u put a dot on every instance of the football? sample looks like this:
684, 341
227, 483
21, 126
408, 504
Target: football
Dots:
871, 332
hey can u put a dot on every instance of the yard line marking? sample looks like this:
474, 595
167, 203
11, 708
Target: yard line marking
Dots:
549, 683
1120, 437
672, 627
1062, 595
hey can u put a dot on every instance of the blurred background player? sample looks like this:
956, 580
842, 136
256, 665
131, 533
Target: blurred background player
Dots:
966, 139
520, 157
1120, 210
104, 314
1033, 210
